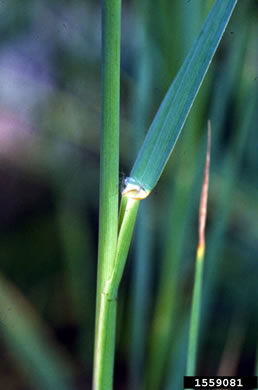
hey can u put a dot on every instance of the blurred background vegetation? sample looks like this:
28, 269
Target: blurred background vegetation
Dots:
50, 85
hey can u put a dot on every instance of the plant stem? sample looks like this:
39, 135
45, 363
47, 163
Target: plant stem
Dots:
195, 314
104, 352
123, 243
197, 292
105, 344
109, 163
109, 166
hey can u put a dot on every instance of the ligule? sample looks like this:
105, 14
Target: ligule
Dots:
134, 190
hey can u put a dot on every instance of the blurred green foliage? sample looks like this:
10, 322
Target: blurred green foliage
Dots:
50, 72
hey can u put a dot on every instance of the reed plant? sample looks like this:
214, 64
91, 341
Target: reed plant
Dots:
50, 260
115, 233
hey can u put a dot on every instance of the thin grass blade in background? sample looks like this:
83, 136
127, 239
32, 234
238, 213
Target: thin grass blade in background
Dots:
197, 292
229, 171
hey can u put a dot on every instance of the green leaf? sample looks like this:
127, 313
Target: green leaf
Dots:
171, 116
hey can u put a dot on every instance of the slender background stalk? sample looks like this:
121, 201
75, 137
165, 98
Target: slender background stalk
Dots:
197, 292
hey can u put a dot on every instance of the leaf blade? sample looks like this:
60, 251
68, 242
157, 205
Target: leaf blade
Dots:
169, 120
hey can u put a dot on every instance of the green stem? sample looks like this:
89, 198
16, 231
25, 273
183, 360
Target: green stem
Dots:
109, 168
105, 339
123, 243
195, 314
109, 153
105, 344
